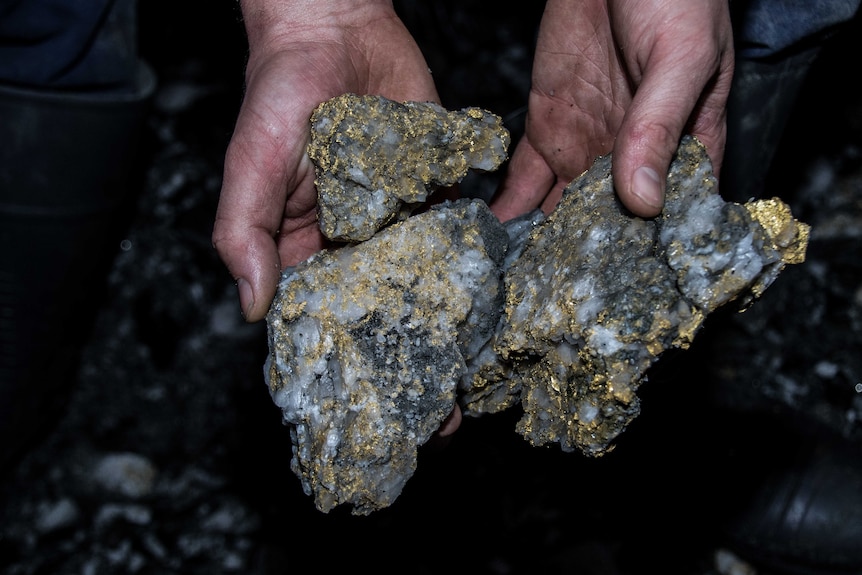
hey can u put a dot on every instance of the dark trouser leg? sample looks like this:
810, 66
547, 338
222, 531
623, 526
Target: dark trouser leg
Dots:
798, 509
67, 172
761, 100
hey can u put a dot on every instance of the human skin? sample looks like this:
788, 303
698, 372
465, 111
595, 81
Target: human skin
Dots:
301, 53
626, 76
621, 76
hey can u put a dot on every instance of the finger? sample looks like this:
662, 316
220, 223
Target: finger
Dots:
249, 253
451, 424
526, 184
553, 198
664, 103
444, 434
246, 223
709, 123
254, 263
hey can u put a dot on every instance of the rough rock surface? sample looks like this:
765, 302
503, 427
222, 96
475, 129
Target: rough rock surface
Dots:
368, 344
377, 160
597, 295
372, 344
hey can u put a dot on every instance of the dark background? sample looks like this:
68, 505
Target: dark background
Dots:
172, 375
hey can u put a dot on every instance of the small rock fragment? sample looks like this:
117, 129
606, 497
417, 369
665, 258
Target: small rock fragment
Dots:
128, 474
56, 515
377, 160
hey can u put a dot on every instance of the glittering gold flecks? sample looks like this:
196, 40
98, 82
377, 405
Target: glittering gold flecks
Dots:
368, 344
789, 236
598, 295
377, 160
372, 344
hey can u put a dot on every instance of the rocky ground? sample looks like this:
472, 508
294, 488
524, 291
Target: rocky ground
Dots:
170, 457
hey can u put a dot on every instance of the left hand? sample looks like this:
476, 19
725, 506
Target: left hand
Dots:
621, 76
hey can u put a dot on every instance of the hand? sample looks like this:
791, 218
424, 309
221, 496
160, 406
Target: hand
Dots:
301, 54
621, 76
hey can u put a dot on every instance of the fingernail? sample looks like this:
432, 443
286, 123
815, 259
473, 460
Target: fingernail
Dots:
246, 296
647, 187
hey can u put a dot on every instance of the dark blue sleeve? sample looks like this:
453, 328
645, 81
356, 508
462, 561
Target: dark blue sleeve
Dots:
66, 43
764, 28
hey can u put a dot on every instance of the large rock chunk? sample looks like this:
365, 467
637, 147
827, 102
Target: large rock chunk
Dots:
597, 295
372, 344
377, 160
368, 343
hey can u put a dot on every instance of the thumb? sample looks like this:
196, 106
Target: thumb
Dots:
674, 93
245, 225
254, 263
645, 144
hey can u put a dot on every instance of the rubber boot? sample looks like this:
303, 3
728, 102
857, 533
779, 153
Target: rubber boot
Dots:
805, 517
68, 177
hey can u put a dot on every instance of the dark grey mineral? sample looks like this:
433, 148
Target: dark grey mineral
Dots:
372, 344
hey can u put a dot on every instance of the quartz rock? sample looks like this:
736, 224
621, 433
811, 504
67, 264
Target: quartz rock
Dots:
373, 343
598, 294
377, 160
368, 344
